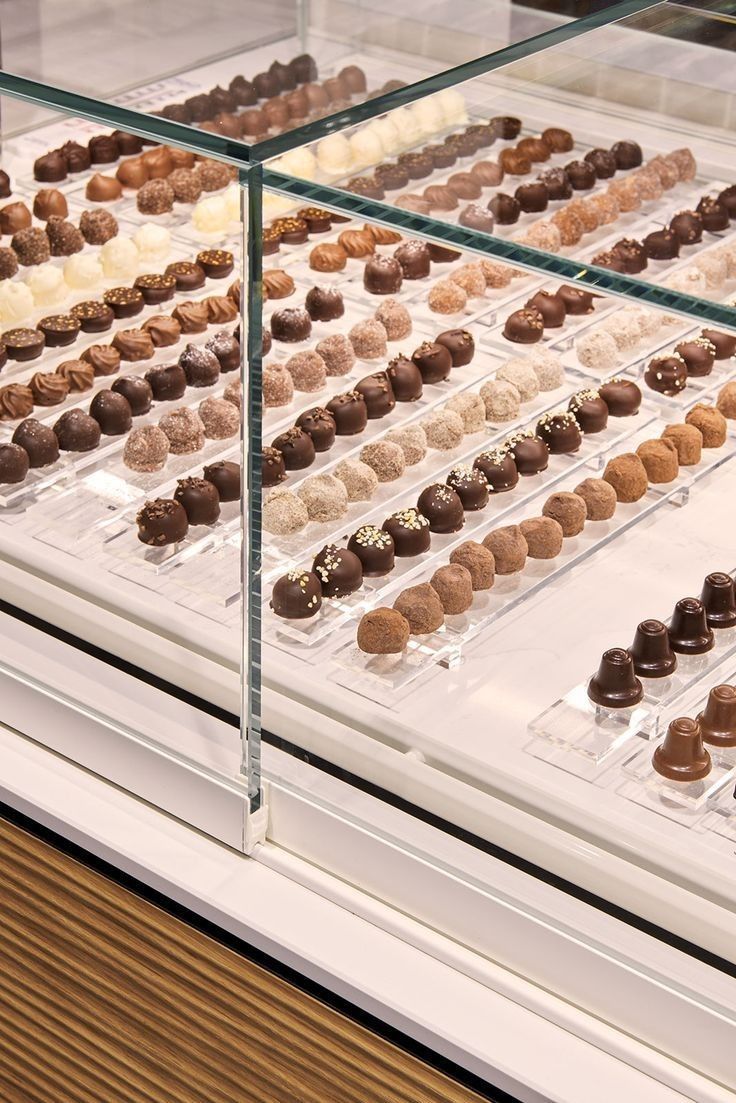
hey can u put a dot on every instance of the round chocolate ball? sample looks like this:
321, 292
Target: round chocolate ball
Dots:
557, 184
470, 485
377, 394
291, 324
200, 500
14, 463
662, 245
349, 412
442, 507
340, 571
167, 382
713, 214
666, 374
505, 209
405, 379
725, 343
581, 175
374, 548
498, 469
77, 431
529, 452
460, 345
320, 425
603, 162
225, 476
410, 532
324, 304
551, 306
297, 595
699, 356
622, 396
532, 197
687, 227
296, 447
273, 468
227, 350
136, 391
162, 522
38, 441
589, 410
382, 275
524, 327
628, 154
112, 412
560, 432
434, 362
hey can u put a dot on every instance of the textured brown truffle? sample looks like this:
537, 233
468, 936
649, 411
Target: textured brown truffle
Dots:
508, 547
660, 460
383, 632
543, 537
454, 586
711, 422
688, 440
478, 561
599, 497
569, 510
628, 477
422, 608
726, 401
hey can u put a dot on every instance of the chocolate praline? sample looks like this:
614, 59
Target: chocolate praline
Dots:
418, 165
350, 413
392, 177
475, 217
532, 197
628, 154
188, 275
632, 255
443, 156
536, 149
460, 345
296, 447
551, 306
699, 356
291, 324
413, 256
589, 410
200, 500
498, 469
662, 245
581, 175
464, 185
410, 532
76, 156
324, 304
666, 375
713, 215
529, 452
560, 432
434, 361
374, 548
622, 396
59, 329
524, 327
50, 168
688, 227
167, 382
319, 424
112, 412
603, 162
382, 275
103, 149
470, 485
136, 391
505, 209
727, 198
405, 378
340, 571
23, 343
39, 441
77, 431
557, 183
162, 522
442, 507
576, 299
377, 394
725, 343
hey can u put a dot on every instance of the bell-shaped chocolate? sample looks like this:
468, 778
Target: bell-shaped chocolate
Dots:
682, 756
615, 686
689, 632
719, 599
651, 651
718, 718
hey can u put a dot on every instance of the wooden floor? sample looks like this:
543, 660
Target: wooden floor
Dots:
104, 998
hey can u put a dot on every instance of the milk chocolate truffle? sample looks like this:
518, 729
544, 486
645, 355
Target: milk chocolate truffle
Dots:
349, 412
719, 600
77, 431
136, 391
475, 217
666, 374
543, 537
615, 686
324, 304
569, 510
688, 631
628, 477
489, 174
470, 485
38, 441
688, 442
200, 500
528, 451
713, 214
699, 356
599, 497
434, 361
711, 423
718, 720
167, 382
49, 201
319, 424
453, 585
382, 275
725, 343
498, 469
162, 522
622, 396
155, 197
64, 238
551, 306
662, 245
133, 173
442, 507
726, 401
291, 324
505, 209
589, 410
50, 168
631, 254
603, 162
628, 154
422, 608
405, 379
524, 327
339, 571
23, 343
31, 246
375, 550
508, 547
660, 460
97, 227
383, 632
514, 162
14, 463
103, 189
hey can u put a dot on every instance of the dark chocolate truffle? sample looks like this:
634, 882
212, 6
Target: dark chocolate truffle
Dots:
581, 175
374, 548
291, 324
589, 410
434, 362
524, 327
631, 254
560, 432
136, 391
324, 304
162, 522
382, 275
459, 343
201, 367
349, 412
576, 299
687, 227
227, 351
413, 256
666, 374
713, 214
532, 197
297, 595
725, 343
77, 431
340, 571
296, 447
320, 425
405, 379
225, 477
470, 485
38, 441
628, 154
410, 532
529, 452
200, 500
603, 162
622, 396
557, 184
505, 209
14, 463
377, 394
111, 410
442, 507
498, 468
551, 306
699, 356
662, 245
167, 382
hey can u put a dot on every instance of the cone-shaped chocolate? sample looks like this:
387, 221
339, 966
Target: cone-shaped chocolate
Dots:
719, 599
689, 632
682, 756
653, 657
615, 686
718, 718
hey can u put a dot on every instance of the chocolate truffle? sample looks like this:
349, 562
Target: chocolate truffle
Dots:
725, 343
97, 227
713, 214
557, 184
662, 245
227, 351
551, 306
38, 441
31, 246
528, 451
382, 275
699, 356
337, 354
447, 297
453, 585
225, 476
501, 399
442, 507
48, 202
599, 497
581, 175
543, 537
409, 531
103, 189
628, 154
728, 199
666, 374
386, 459
64, 238
660, 460
136, 391
76, 156
185, 431
297, 448
688, 442
459, 343
631, 254
324, 304
111, 410
603, 162
339, 571
273, 468
200, 500
162, 522
77, 431
615, 686
718, 720
167, 382
688, 631
470, 485
349, 412
505, 209
132, 173
374, 548
628, 477
422, 608
622, 396
719, 599
726, 401
297, 595
103, 149
434, 361
507, 127
291, 324
589, 410
711, 423
377, 394
413, 257
50, 168
475, 217
498, 469
557, 139
687, 226
320, 426
514, 163
383, 632
569, 510
478, 561
14, 463
532, 197
49, 388
508, 547
524, 326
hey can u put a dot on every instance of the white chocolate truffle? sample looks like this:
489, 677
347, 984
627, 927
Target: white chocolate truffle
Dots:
501, 400
548, 366
152, 242
388, 134
232, 202
299, 162
452, 105
429, 115
119, 258
444, 430
360, 480
365, 149
47, 285
334, 155
714, 267
690, 281
325, 497
83, 271
623, 328
16, 302
471, 409
520, 372
274, 205
210, 215
283, 513
407, 126
412, 440
648, 321
597, 350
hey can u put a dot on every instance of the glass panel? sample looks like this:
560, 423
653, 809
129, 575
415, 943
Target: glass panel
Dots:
121, 440
519, 154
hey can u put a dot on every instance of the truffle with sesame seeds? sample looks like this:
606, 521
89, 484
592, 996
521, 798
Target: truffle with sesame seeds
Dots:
297, 595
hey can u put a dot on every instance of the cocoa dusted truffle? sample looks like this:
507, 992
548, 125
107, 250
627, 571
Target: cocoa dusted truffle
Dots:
569, 510
162, 522
688, 442
508, 547
454, 587
383, 632
711, 423
628, 477
543, 537
422, 608
660, 460
375, 550
478, 561
599, 497
442, 507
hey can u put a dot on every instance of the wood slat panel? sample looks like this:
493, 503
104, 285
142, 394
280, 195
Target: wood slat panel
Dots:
105, 998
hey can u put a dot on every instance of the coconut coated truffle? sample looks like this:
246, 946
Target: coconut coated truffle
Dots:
307, 370
569, 510
548, 368
660, 460
599, 497
284, 513
325, 498
710, 422
360, 480
368, 340
422, 608
478, 561
412, 440
628, 477
597, 350
508, 548
520, 373
543, 537
386, 459
337, 354
383, 632
688, 440
501, 400
278, 386
444, 430
453, 585
395, 319
471, 409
